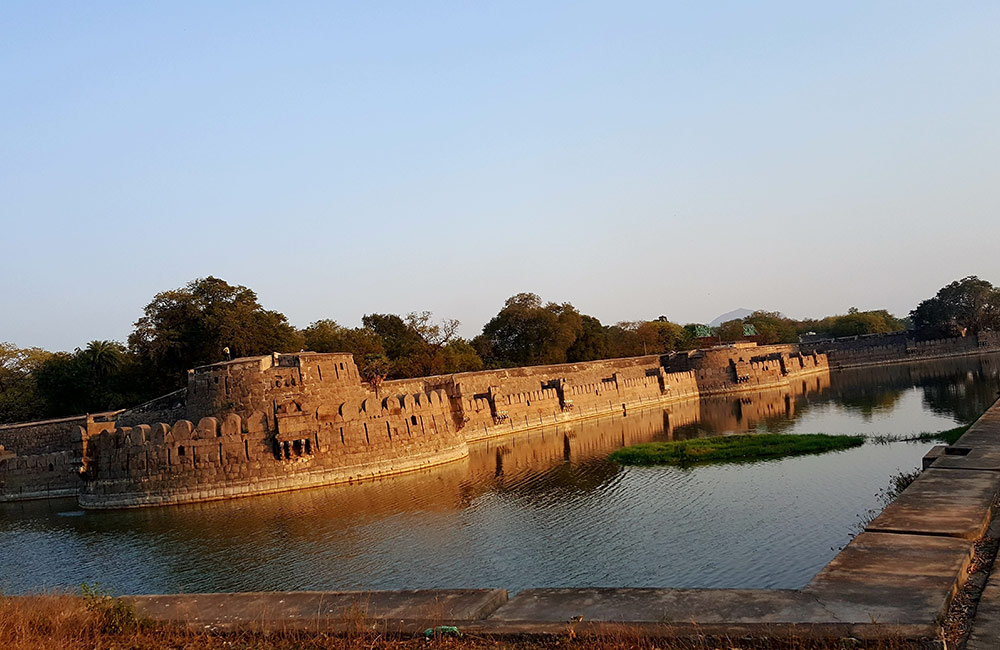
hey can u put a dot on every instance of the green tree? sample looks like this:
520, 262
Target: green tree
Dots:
437, 338
417, 345
865, 322
624, 340
966, 306
773, 327
730, 331
101, 377
458, 355
19, 396
853, 323
400, 340
526, 332
64, 385
103, 359
374, 368
665, 336
591, 344
328, 336
188, 327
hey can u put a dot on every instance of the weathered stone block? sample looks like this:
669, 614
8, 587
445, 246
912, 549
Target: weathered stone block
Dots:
231, 425
182, 430
207, 428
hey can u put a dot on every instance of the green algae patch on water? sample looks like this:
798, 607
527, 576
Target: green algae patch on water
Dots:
733, 449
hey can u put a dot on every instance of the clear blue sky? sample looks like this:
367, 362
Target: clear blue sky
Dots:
633, 158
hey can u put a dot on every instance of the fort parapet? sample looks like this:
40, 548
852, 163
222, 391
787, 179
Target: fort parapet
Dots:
287, 421
900, 347
41, 460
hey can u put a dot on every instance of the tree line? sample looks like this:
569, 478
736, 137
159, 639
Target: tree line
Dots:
193, 325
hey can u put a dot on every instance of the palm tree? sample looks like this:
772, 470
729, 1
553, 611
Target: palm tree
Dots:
103, 357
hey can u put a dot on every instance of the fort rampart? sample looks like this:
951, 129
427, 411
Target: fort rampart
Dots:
899, 347
43, 459
287, 421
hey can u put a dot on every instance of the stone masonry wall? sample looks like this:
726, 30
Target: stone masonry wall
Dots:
736, 368
43, 459
900, 347
167, 408
496, 402
279, 423
28, 438
38, 476
283, 422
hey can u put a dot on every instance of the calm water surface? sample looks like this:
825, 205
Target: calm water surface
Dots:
537, 510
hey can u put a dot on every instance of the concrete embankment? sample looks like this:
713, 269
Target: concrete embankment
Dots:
894, 580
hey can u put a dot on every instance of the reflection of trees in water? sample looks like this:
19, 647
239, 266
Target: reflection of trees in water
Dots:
868, 400
961, 388
866, 391
965, 400
572, 459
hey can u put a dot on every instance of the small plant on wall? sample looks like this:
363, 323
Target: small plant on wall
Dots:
374, 369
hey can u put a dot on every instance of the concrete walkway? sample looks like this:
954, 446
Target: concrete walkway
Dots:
984, 454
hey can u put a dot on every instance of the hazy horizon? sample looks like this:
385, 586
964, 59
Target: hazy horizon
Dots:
634, 159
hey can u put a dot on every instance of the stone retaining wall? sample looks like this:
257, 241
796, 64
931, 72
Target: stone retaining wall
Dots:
51, 436
39, 476
283, 422
899, 347
286, 421
43, 459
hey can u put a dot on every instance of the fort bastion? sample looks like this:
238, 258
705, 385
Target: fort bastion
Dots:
288, 421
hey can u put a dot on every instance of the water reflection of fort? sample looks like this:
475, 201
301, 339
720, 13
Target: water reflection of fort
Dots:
962, 388
597, 438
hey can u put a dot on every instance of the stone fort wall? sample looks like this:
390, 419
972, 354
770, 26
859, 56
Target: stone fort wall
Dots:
44, 459
899, 347
48, 436
282, 422
286, 421
270, 424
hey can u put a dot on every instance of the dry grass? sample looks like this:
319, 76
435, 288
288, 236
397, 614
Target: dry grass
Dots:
73, 623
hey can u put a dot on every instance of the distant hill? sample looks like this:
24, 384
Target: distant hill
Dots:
736, 314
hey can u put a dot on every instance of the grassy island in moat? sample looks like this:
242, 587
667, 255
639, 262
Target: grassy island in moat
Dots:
735, 448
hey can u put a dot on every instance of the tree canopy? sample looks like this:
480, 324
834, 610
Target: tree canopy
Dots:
190, 326
391, 346
854, 323
19, 398
187, 327
526, 332
966, 306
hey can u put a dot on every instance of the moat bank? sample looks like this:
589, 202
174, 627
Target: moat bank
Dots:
544, 509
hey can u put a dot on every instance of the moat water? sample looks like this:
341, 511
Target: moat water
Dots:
543, 509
